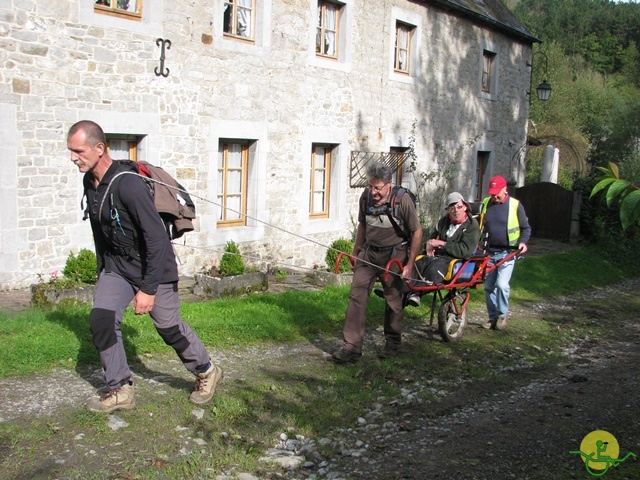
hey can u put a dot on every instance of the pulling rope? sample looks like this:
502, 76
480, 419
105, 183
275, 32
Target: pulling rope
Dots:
255, 219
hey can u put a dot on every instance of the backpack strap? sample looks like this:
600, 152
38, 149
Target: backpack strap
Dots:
396, 197
113, 193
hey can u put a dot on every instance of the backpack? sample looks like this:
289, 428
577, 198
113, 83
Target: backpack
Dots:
174, 204
392, 209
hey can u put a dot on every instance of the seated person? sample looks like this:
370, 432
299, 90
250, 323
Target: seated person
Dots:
455, 237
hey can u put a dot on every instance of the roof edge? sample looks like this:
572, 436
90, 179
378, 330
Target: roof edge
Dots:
519, 30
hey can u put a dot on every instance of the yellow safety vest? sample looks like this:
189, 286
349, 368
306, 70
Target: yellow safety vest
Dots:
513, 224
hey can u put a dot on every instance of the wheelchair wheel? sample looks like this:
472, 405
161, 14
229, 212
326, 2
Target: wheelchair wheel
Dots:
450, 325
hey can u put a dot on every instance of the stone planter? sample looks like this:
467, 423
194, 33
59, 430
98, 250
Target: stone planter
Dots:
44, 296
229, 286
323, 279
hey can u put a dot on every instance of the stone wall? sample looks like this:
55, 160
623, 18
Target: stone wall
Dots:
61, 62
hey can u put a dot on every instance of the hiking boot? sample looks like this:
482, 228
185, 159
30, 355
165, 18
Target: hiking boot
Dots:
206, 384
121, 398
489, 325
390, 350
345, 356
413, 300
501, 323
379, 292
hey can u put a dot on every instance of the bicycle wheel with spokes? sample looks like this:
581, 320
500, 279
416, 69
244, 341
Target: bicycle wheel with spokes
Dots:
451, 325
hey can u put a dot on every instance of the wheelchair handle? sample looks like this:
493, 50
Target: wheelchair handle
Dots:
389, 265
340, 255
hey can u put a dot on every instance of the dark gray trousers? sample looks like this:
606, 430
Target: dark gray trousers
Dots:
364, 276
113, 294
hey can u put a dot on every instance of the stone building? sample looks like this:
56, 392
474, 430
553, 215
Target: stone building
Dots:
265, 106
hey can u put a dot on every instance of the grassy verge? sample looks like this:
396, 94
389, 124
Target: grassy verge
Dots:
306, 396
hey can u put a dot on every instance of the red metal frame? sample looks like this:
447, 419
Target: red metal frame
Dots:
481, 269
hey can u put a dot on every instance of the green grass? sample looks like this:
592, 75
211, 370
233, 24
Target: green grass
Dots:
300, 395
61, 337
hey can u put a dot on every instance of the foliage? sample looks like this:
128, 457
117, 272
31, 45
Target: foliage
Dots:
433, 186
598, 30
626, 193
341, 245
593, 65
231, 262
81, 269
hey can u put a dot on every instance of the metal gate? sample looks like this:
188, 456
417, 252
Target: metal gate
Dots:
553, 211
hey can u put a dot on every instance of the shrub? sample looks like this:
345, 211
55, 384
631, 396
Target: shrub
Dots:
339, 245
231, 262
81, 269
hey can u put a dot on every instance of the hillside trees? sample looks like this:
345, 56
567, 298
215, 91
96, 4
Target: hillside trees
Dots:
594, 111
594, 67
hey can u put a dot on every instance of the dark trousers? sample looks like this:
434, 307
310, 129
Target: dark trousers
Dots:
364, 276
429, 269
113, 294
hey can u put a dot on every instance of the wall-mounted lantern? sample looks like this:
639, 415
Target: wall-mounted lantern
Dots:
544, 89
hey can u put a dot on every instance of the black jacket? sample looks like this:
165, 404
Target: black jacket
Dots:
132, 240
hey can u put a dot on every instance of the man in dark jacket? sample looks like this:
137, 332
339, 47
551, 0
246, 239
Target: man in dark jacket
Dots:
135, 262
455, 237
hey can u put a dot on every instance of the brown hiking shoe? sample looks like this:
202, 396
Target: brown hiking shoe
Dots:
501, 323
122, 398
343, 355
489, 325
390, 350
206, 385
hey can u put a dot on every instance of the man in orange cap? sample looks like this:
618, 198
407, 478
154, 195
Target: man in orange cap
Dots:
504, 218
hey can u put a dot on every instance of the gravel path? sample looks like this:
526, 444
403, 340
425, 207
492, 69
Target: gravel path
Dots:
522, 426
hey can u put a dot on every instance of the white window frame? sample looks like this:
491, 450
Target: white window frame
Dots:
149, 23
246, 147
323, 29
345, 33
404, 33
261, 41
255, 133
325, 172
236, 8
414, 21
119, 12
131, 141
338, 138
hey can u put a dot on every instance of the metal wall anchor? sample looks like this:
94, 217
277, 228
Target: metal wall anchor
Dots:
165, 44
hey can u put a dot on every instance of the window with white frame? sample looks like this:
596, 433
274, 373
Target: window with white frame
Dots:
123, 147
233, 167
402, 54
239, 19
488, 68
401, 173
327, 31
321, 159
121, 8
